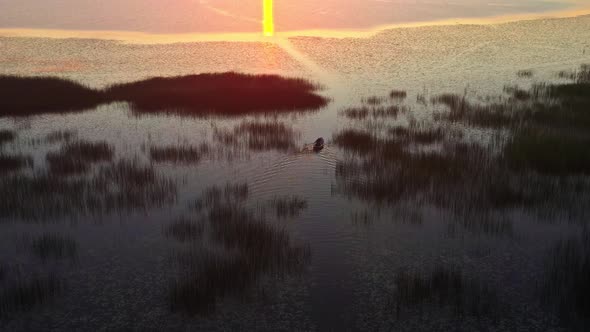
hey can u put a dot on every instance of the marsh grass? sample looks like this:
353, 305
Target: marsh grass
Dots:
418, 135
288, 206
11, 163
117, 187
22, 96
220, 93
373, 100
77, 157
7, 136
183, 154
375, 112
258, 136
526, 73
252, 249
443, 288
555, 153
225, 93
398, 94
565, 288
185, 229
26, 295
55, 246
60, 136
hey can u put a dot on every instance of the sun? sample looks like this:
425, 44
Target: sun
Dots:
268, 21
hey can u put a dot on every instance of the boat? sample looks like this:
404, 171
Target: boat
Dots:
318, 144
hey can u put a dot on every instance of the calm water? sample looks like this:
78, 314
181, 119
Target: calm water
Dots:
365, 242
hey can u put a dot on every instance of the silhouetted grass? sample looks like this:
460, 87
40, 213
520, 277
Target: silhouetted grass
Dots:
375, 112
418, 135
517, 93
548, 105
253, 248
184, 229
226, 93
398, 94
27, 295
6, 136
582, 75
21, 96
444, 288
373, 100
259, 136
527, 73
565, 288
222, 93
54, 246
556, 153
288, 206
11, 163
116, 187
208, 278
179, 154
60, 136
228, 195
77, 157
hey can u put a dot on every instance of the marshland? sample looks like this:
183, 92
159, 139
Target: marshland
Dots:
164, 181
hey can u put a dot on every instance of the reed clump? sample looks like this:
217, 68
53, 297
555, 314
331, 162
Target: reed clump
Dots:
54, 246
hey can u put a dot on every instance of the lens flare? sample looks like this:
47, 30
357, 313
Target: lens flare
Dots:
268, 22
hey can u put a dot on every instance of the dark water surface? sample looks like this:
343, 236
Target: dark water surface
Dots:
452, 192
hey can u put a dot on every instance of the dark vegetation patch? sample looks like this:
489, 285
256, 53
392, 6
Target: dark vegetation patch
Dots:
77, 157
517, 93
398, 94
185, 154
60, 136
54, 246
11, 163
582, 75
22, 96
374, 100
375, 112
7, 136
555, 153
536, 160
224, 93
288, 206
419, 135
252, 249
119, 186
565, 288
227, 93
26, 295
443, 288
548, 123
527, 73
185, 229
258, 136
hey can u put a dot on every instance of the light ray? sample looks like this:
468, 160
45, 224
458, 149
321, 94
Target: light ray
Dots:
268, 21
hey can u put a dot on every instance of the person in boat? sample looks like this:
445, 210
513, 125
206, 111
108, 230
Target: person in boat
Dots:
318, 144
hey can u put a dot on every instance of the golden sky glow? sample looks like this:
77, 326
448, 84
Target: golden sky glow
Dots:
268, 21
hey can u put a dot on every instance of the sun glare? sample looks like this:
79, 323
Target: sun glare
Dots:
268, 22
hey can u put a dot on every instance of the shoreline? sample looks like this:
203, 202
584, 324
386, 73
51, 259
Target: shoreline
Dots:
135, 37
